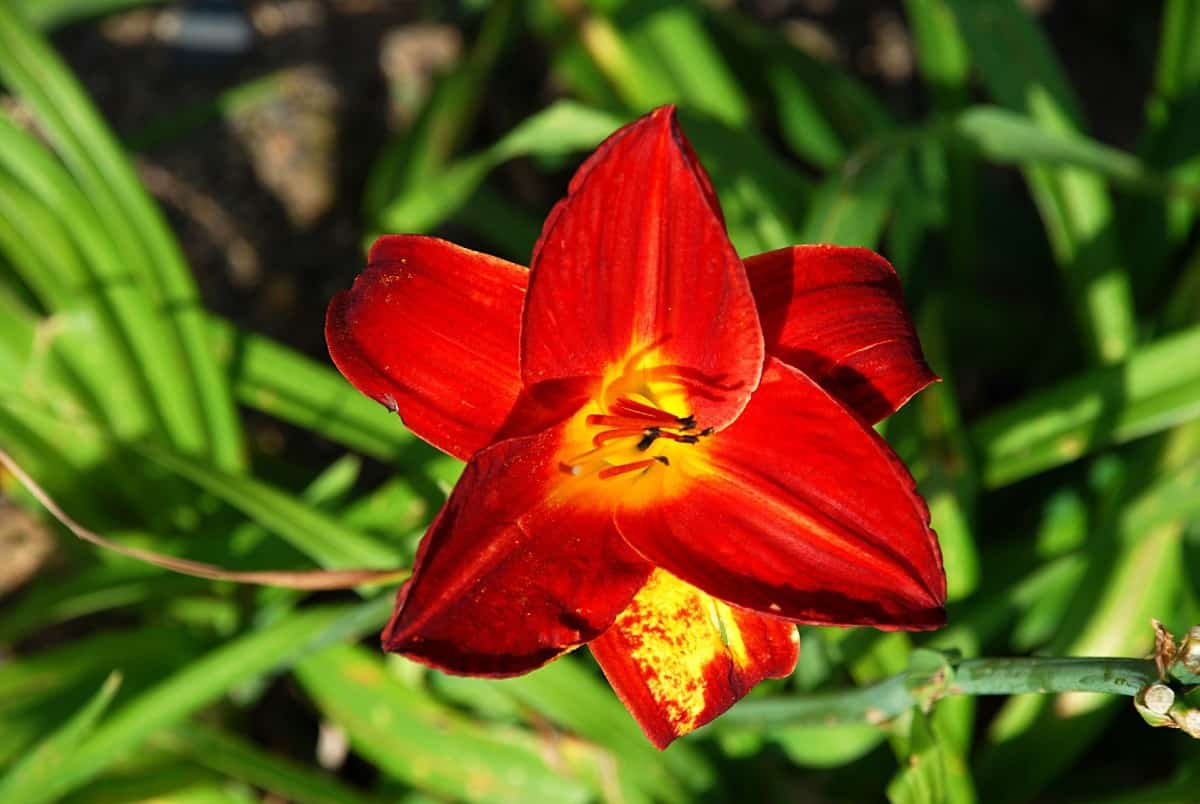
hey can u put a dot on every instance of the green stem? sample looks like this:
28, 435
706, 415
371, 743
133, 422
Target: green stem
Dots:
893, 696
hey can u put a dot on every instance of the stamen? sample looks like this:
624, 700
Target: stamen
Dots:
634, 408
596, 454
628, 419
627, 422
614, 471
625, 432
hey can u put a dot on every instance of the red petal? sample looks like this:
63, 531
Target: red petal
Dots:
636, 259
432, 329
799, 510
838, 315
514, 571
678, 657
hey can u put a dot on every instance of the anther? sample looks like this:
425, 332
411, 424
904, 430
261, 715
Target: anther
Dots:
652, 435
687, 422
663, 459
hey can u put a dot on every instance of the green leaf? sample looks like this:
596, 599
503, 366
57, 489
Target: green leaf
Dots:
1178, 70
142, 358
802, 121
561, 129
202, 411
1077, 212
851, 207
38, 768
49, 14
416, 157
671, 43
922, 779
566, 694
411, 737
53, 599
275, 379
827, 746
311, 531
1008, 137
235, 758
1158, 387
201, 682
942, 54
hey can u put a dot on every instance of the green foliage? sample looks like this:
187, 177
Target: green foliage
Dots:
1054, 276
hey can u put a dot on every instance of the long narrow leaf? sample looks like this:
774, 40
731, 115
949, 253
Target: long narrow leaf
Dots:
27, 63
38, 768
1158, 387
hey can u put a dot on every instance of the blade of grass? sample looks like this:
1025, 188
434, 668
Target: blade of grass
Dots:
225, 105
1158, 387
851, 207
1006, 137
94, 360
945, 66
761, 195
849, 106
54, 599
929, 434
38, 767
802, 122
1126, 583
235, 758
1178, 70
124, 309
670, 40
566, 694
419, 153
1076, 209
1153, 230
205, 417
563, 128
413, 738
311, 531
48, 14
599, 48
200, 683
275, 379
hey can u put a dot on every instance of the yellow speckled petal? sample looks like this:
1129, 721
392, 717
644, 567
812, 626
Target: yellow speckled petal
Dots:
678, 657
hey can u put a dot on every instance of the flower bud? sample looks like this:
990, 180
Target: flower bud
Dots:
1153, 702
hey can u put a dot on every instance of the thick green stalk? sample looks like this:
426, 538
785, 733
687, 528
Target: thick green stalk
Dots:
890, 698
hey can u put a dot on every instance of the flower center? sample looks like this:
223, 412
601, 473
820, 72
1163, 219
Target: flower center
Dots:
629, 437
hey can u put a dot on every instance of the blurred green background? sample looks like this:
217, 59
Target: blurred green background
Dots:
183, 186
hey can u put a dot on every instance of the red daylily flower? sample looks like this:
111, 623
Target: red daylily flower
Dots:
669, 450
